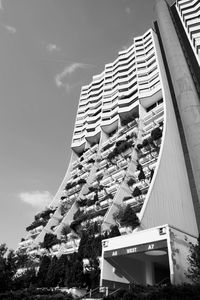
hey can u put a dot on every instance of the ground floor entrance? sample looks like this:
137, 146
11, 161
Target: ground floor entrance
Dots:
148, 257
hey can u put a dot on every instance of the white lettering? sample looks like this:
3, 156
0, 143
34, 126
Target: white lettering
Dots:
151, 247
131, 250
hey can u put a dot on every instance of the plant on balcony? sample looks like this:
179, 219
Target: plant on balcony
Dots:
65, 231
108, 146
91, 161
146, 144
64, 207
139, 167
81, 181
127, 120
81, 202
92, 228
118, 214
50, 240
125, 145
108, 196
114, 232
127, 198
80, 167
118, 143
91, 189
131, 182
139, 146
156, 133
141, 175
36, 224
126, 216
79, 213
90, 202
151, 174
99, 177
68, 186
137, 192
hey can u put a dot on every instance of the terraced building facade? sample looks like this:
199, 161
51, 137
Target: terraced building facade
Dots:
135, 145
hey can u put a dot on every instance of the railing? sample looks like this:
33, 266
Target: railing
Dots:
100, 291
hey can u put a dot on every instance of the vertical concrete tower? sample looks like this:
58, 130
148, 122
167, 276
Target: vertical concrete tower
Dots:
185, 98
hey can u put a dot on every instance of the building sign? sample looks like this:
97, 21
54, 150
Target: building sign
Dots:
136, 249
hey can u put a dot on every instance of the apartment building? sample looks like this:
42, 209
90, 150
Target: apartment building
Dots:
136, 143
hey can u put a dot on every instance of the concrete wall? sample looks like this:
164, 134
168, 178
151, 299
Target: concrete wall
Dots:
169, 199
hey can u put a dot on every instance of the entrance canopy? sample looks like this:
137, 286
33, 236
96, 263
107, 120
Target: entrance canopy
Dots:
144, 257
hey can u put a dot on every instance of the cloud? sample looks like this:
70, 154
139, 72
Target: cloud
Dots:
1, 5
128, 10
52, 48
10, 29
66, 73
36, 199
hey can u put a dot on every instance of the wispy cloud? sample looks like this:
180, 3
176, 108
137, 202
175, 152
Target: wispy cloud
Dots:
60, 79
127, 10
10, 29
36, 199
1, 5
52, 48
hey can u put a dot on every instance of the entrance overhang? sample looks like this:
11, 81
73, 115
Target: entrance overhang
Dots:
151, 256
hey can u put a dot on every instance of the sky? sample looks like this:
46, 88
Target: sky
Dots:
48, 50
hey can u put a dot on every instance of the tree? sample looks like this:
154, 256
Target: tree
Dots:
25, 279
51, 273
129, 218
194, 261
60, 269
43, 269
6, 271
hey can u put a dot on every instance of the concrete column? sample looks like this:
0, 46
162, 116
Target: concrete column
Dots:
149, 272
186, 96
